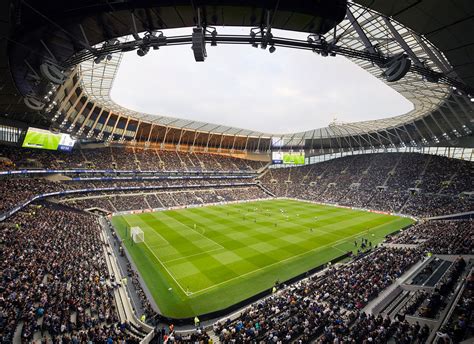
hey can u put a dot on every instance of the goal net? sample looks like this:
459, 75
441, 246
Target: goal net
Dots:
137, 234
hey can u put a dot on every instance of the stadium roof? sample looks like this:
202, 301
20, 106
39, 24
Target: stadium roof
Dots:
432, 33
426, 96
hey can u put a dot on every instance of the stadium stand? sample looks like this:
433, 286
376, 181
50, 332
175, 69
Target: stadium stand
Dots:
108, 158
366, 181
55, 280
335, 299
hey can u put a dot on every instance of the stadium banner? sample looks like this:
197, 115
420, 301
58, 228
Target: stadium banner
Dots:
139, 211
154, 173
159, 178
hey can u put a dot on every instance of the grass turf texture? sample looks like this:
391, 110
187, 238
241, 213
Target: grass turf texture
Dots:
236, 250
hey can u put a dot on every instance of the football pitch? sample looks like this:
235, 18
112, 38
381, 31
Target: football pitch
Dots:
199, 260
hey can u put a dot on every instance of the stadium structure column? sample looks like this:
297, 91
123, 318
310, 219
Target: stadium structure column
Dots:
209, 136
79, 114
167, 130
134, 140
179, 140
69, 95
125, 129
101, 133
115, 127
246, 143
73, 107
147, 143
196, 134
86, 119
92, 128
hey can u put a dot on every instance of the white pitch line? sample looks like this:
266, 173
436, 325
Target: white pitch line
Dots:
259, 269
164, 266
276, 263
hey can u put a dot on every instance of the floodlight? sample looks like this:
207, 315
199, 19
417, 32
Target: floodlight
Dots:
98, 59
143, 51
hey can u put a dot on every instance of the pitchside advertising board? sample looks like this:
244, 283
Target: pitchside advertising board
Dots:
288, 158
44, 139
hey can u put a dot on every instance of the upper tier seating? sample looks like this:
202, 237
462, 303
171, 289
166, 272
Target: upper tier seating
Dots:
411, 183
123, 159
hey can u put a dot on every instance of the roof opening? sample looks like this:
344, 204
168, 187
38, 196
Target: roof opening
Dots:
282, 92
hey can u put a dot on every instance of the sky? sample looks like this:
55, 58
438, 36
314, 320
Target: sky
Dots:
288, 91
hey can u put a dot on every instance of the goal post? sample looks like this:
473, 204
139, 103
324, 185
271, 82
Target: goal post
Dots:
137, 235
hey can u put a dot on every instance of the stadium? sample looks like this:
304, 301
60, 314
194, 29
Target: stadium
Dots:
125, 225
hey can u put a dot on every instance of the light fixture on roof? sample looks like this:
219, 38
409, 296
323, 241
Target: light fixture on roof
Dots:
142, 51
99, 59
213, 35
456, 133
272, 49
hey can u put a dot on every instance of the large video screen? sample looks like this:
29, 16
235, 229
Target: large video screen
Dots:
44, 139
289, 158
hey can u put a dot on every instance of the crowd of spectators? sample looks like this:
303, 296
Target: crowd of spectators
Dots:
166, 199
412, 183
459, 326
324, 307
55, 279
125, 158
440, 237
16, 191
350, 181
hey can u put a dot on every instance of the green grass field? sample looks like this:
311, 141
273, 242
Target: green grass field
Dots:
238, 250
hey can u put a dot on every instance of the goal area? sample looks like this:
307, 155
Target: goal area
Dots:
137, 234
